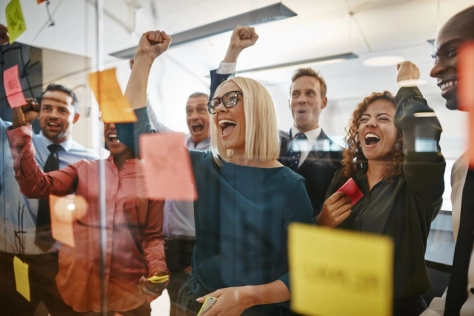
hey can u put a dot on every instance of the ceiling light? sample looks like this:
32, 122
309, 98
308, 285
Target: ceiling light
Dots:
383, 61
308, 62
272, 12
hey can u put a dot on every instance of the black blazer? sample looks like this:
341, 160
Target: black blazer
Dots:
318, 168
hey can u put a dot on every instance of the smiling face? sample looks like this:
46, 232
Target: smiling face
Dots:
57, 116
197, 118
377, 133
111, 140
231, 121
457, 30
306, 103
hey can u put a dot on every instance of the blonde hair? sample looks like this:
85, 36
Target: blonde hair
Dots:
261, 133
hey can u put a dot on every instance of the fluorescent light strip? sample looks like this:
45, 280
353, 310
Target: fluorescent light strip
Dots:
300, 63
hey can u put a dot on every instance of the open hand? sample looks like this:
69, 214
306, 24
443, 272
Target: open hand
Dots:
335, 210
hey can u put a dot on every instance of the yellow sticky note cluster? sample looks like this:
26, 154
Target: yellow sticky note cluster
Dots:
15, 20
113, 105
336, 272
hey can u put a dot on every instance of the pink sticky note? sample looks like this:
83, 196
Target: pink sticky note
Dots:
168, 172
13, 87
466, 90
352, 191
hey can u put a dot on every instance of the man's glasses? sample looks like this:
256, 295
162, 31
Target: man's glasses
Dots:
229, 100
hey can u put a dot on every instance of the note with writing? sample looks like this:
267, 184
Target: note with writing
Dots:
15, 20
466, 90
348, 273
22, 281
113, 105
13, 87
168, 172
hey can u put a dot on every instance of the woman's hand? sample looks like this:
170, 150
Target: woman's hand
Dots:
230, 301
151, 288
153, 43
335, 210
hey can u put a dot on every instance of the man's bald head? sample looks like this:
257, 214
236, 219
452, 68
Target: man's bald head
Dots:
458, 29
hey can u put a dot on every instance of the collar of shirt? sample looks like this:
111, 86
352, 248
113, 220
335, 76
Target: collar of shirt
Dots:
204, 145
66, 145
311, 135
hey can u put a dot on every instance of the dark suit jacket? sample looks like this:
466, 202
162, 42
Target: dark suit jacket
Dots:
318, 168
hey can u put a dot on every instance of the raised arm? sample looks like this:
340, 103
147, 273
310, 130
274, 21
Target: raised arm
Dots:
242, 37
152, 44
424, 164
33, 182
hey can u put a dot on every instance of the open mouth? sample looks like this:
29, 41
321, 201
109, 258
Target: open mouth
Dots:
447, 85
53, 125
371, 139
197, 128
113, 139
227, 126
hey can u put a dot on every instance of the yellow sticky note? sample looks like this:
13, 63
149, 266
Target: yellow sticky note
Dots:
159, 279
336, 272
15, 21
113, 105
21, 277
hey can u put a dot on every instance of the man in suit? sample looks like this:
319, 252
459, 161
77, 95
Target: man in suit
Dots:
305, 148
459, 297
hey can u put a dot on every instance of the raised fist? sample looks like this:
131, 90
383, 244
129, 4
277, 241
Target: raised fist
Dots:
243, 37
26, 114
408, 72
154, 43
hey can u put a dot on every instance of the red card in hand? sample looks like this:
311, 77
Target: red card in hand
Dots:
352, 191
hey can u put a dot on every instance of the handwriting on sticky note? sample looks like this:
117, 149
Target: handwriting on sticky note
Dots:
113, 105
168, 172
22, 281
349, 267
15, 19
13, 87
352, 191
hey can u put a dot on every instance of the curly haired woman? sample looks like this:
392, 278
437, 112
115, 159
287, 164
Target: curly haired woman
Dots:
393, 156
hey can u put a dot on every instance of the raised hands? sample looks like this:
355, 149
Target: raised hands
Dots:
335, 210
26, 114
153, 43
242, 37
408, 74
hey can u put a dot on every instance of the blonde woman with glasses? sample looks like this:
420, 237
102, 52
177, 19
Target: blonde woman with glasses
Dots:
246, 200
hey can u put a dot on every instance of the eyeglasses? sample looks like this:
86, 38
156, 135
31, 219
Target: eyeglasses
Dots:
229, 100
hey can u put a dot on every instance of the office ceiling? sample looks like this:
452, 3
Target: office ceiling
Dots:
367, 28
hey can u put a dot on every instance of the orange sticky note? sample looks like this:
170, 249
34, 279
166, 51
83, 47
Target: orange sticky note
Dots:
13, 88
114, 106
168, 172
15, 20
40, 1
465, 70
64, 211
